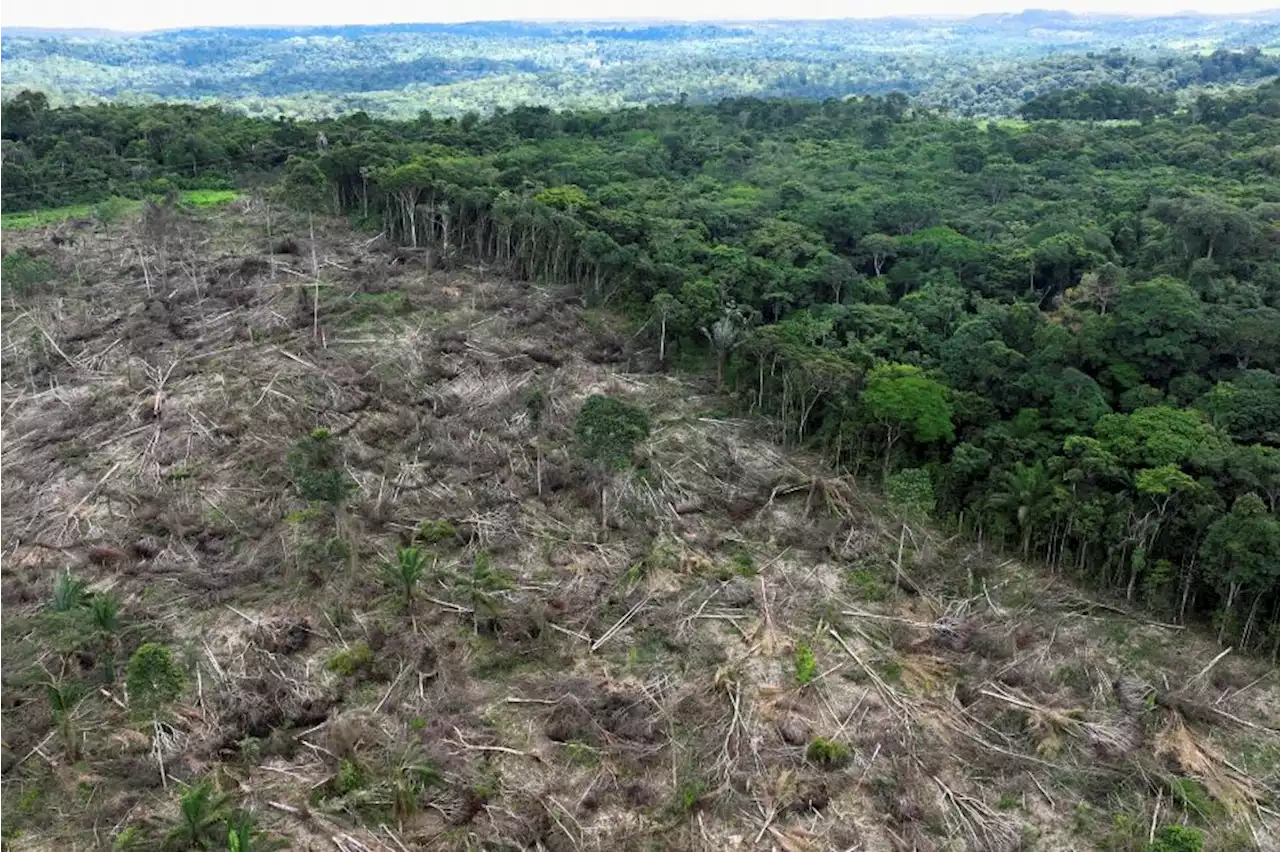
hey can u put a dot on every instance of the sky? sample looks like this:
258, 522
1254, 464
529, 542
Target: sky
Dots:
162, 14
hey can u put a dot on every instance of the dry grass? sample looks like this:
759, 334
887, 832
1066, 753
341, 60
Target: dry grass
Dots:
625, 688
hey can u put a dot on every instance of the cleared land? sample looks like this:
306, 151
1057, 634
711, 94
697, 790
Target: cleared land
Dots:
751, 654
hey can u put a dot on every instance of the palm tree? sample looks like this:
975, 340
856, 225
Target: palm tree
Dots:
243, 835
105, 613
1024, 491
68, 592
62, 706
404, 574
202, 814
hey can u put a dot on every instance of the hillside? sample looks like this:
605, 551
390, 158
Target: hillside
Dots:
987, 65
752, 652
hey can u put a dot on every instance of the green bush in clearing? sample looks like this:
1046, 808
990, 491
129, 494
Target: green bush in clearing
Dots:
806, 664
1177, 838
354, 659
826, 753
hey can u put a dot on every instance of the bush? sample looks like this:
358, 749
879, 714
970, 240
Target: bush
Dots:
315, 466
154, 678
806, 664
22, 272
826, 753
354, 659
1177, 838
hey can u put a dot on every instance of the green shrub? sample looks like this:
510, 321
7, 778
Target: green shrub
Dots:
22, 272
316, 468
1177, 838
153, 679
436, 531
910, 492
350, 661
826, 753
806, 664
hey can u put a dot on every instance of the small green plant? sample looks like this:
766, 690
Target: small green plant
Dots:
1194, 798
202, 816
153, 680
868, 586
418, 723
890, 670
350, 661
104, 611
243, 834
827, 753
1009, 802
606, 435
316, 469
435, 531
349, 778
403, 575
806, 664
689, 794
581, 754
1177, 838
744, 563
69, 592
62, 705
481, 586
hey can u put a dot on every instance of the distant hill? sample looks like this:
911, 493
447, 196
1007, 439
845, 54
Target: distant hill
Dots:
987, 65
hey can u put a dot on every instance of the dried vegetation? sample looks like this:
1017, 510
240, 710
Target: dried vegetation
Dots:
638, 686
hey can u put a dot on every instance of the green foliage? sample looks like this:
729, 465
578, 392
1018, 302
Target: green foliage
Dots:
202, 818
405, 573
608, 430
910, 492
111, 210
1176, 838
68, 592
435, 531
827, 753
315, 466
806, 664
22, 272
243, 834
153, 679
351, 661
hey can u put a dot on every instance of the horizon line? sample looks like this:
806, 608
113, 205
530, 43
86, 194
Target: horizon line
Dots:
939, 16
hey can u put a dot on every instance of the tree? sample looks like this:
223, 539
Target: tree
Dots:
1242, 551
1026, 492
607, 433
877, 248
902, 399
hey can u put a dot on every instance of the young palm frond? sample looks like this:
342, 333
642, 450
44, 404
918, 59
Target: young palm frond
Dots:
68, 592
104, 611
62, 702
404, 574
202, 812
243, 835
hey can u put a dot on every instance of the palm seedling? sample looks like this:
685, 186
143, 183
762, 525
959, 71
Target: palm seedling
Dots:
202, 814
68, 592
104, 610
403, 575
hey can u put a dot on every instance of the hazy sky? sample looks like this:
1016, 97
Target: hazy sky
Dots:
154, 14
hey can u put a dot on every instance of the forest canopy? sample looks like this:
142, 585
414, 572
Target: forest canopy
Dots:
1072, 328
989, 65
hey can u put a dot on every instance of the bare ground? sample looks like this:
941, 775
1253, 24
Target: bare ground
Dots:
632, 687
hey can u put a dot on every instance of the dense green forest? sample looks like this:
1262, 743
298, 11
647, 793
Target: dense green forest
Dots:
1059, 337
983, 66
